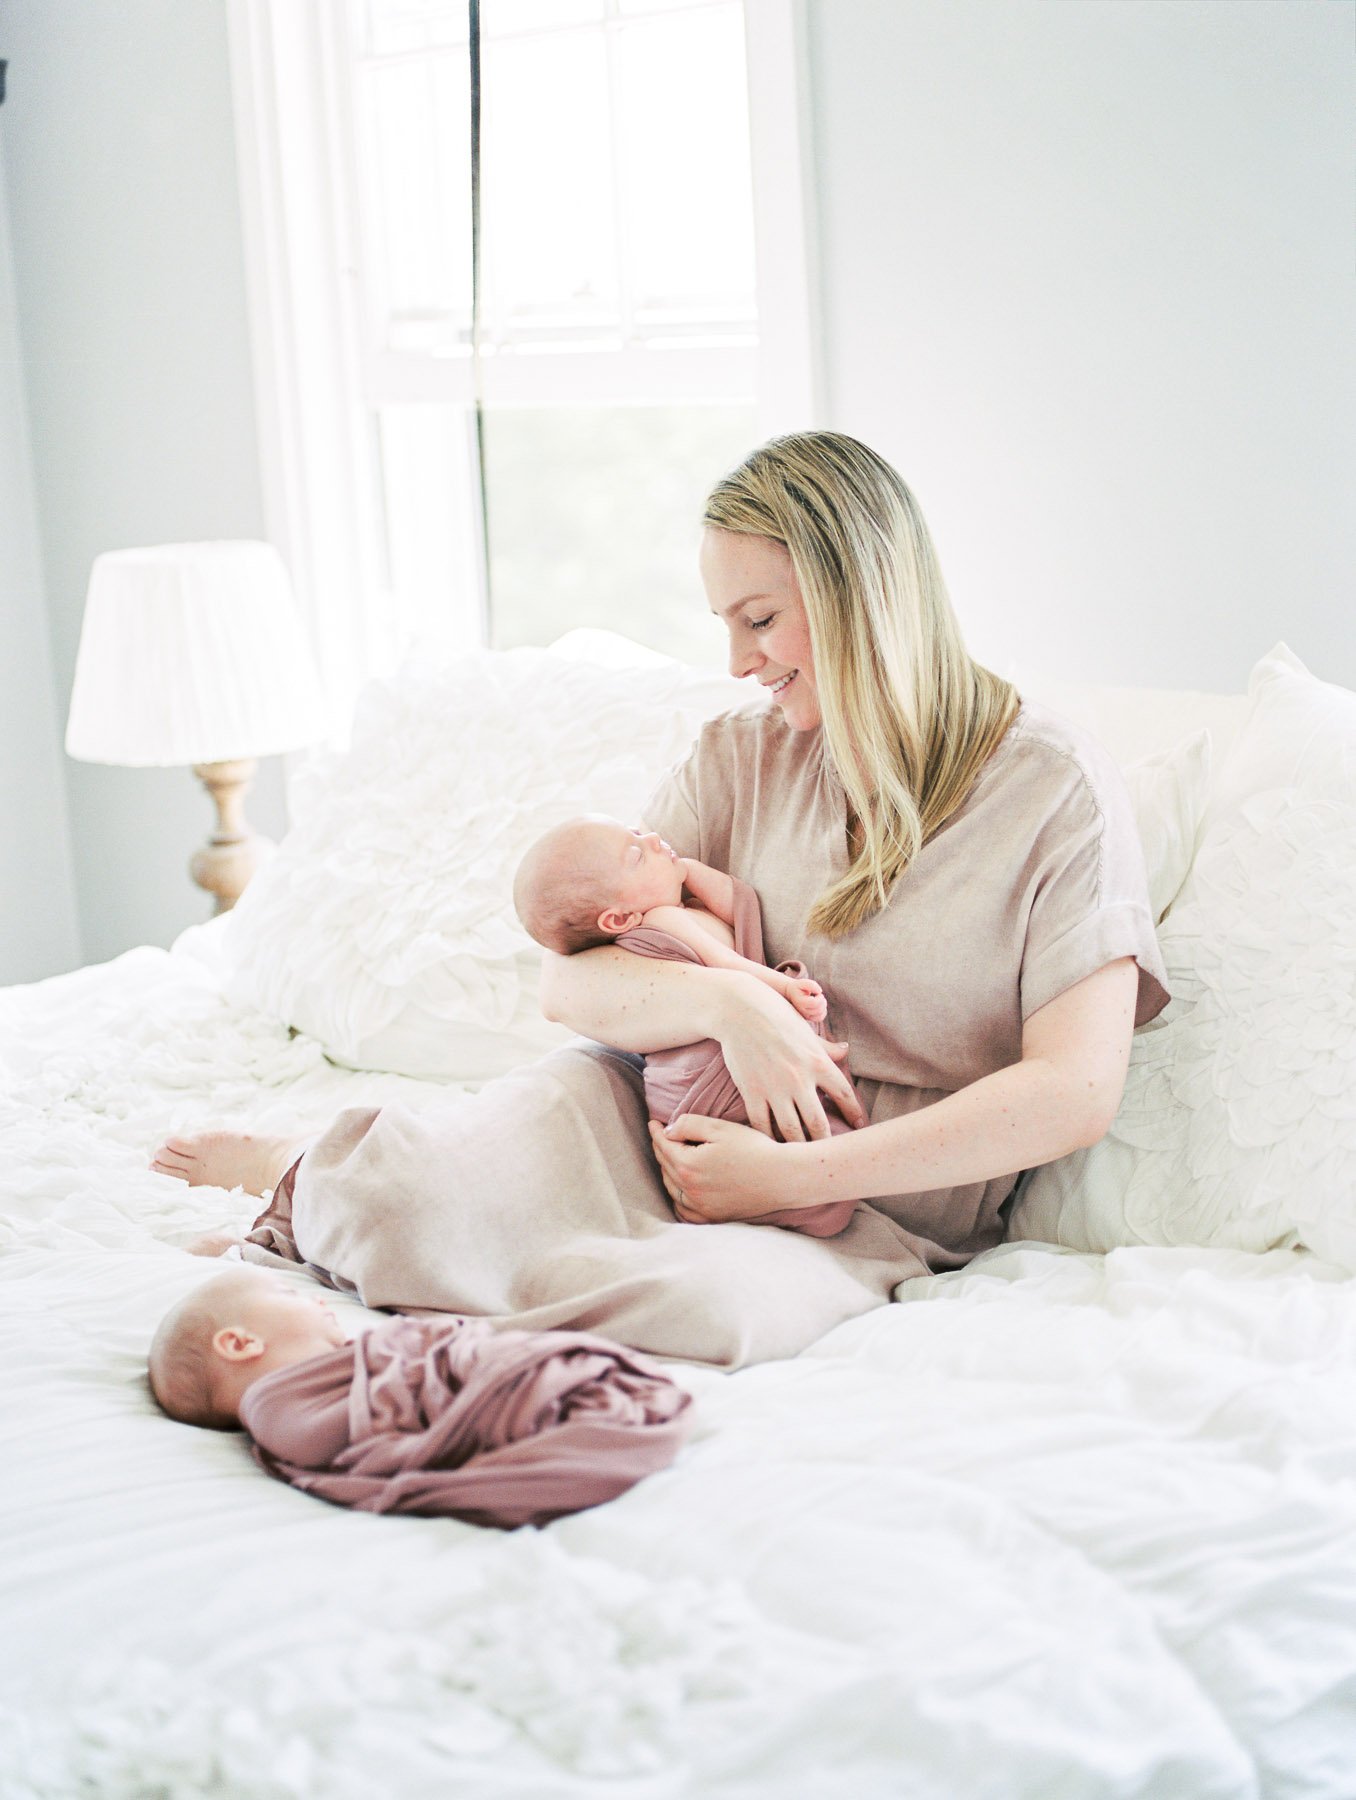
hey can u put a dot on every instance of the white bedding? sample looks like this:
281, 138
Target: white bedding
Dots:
1059, 1525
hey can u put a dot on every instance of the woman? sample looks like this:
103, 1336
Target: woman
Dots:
960, 870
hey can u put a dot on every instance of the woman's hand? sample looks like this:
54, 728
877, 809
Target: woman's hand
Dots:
715, 1170
779, 1064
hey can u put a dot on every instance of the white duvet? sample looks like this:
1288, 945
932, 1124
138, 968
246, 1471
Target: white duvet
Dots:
1058, 1525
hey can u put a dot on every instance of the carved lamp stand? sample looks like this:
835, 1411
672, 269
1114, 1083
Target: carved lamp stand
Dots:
233, 852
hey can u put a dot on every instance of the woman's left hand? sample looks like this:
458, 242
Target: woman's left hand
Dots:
715, 1170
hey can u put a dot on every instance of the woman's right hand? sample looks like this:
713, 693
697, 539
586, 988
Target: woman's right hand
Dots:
779, 1064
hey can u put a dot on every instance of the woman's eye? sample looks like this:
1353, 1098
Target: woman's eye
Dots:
761, 624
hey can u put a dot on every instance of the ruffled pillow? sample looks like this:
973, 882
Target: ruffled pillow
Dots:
1169, 793
384, 925
1238, 1123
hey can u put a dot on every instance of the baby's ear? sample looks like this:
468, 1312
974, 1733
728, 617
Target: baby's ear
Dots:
237, 1344
614, 922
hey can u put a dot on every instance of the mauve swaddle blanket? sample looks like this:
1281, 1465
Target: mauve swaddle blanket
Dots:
537, 1203
694, 1079
452, 1417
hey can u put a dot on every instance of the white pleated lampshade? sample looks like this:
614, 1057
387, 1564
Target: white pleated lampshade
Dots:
192, 653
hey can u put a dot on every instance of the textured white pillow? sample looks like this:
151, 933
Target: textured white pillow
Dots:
384, 925
1169, 793
1238, 1123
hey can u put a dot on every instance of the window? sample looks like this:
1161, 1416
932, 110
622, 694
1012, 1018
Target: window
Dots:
628, 349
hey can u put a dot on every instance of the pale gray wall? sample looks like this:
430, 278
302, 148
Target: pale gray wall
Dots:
1087, 280
128, 270
38, 932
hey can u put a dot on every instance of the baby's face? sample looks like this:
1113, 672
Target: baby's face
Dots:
636, 867
288, 1318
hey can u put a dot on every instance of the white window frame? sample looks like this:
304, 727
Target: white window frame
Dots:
308, 351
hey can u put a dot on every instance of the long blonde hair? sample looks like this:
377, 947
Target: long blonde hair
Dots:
909, 718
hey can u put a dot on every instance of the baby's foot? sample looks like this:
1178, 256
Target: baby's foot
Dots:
228, 1159
808, 999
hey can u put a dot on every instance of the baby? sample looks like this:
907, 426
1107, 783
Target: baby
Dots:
426, 1415
594, 881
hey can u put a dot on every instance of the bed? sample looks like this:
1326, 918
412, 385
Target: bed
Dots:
1076, 1520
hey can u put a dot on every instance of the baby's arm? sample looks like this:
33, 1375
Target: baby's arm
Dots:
709, 888
685, 923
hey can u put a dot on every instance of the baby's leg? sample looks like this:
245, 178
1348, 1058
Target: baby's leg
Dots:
229, 1159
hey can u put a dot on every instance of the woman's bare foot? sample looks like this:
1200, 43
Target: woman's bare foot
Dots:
228, 1159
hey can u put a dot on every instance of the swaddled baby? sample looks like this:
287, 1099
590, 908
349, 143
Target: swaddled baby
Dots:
421, 1415
596, 881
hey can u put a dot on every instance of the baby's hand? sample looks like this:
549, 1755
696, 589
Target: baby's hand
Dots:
214, 1243
808, 999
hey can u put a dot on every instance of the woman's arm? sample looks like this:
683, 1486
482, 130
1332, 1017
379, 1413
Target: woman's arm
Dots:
1061, 1096
642, 1003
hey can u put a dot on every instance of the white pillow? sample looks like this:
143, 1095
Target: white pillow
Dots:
1238, 1123
1169, 793
384, 925
1133, 723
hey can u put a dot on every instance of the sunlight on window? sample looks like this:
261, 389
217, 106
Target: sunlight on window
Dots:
595, 518
618, 319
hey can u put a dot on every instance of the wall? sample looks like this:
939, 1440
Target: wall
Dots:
132, 321
38, 932
1087, 281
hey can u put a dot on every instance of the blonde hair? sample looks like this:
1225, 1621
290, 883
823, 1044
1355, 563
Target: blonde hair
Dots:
909, 718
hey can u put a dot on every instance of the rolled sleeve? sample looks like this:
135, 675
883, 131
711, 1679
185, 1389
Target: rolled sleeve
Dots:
1090, 904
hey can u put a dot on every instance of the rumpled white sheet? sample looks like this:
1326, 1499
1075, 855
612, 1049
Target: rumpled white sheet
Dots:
1059, 1525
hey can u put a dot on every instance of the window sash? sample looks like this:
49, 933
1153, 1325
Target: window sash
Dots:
319, 383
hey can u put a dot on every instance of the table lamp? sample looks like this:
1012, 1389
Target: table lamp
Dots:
194, 653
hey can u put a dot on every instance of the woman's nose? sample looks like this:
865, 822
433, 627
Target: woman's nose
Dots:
744, 659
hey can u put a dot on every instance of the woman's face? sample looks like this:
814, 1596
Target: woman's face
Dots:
752, 588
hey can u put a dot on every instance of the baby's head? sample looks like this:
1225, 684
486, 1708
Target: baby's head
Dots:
228, 1332
591, 879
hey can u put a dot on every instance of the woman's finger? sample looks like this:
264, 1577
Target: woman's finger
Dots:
760, 1116
837, 1084
815, 1118
788, 1123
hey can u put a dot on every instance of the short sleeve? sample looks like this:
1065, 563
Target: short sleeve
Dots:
1090, 901
671, 809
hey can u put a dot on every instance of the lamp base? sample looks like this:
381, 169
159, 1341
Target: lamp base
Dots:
233, 852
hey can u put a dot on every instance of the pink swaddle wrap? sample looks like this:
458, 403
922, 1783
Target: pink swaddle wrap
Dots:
449, 1416
694, 1079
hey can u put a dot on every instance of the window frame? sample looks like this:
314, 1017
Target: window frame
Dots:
312, 372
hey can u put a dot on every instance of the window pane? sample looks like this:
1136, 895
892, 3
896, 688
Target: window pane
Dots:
414, 151
595, 519
550, 236
689, 215
498, 18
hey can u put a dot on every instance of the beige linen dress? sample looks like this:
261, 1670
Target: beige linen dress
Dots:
1035, 882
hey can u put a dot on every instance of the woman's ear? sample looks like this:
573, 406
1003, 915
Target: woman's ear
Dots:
236, 1344
614, 922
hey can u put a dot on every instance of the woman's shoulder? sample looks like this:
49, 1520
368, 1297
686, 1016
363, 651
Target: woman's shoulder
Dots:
1042, 751
755, 733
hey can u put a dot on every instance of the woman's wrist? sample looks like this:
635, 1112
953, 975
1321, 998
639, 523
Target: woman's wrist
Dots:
810, 1176
735, 996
